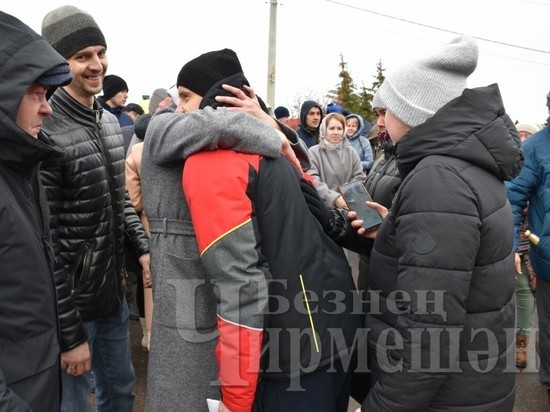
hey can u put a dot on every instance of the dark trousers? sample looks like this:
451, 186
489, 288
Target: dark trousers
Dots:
542, 295
134, 283
324, 391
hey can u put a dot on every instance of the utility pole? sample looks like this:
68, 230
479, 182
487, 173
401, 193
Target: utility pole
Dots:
272, 53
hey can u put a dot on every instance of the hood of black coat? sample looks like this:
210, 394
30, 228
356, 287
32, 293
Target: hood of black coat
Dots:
237, 80
24, 56
473, 127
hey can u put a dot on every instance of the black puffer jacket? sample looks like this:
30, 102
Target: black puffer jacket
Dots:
382, 183
384, 179
90, 214
29, 344
448, 240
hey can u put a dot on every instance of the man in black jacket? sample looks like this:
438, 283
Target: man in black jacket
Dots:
311, 115
29, 341
91, 215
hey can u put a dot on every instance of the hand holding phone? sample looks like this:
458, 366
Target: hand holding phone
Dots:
356, 196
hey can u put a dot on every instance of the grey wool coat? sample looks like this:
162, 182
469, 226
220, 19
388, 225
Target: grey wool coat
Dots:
182, 368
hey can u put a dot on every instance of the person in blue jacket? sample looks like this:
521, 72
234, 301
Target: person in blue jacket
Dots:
354, 133
532, 186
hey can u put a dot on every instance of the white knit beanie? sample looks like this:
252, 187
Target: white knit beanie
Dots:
418, 89
527, 127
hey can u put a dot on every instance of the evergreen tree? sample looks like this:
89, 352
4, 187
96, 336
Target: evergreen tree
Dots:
379, 77
367, 94
349, 98
365, 107
346, 91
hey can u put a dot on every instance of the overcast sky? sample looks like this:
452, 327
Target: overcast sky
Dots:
149, 41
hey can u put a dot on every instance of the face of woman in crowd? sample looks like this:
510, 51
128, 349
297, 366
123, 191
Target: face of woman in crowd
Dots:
335, 131
352, 125
524, 136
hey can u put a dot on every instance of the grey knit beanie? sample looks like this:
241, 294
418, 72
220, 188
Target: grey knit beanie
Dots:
156, 98
418, 89
69, 29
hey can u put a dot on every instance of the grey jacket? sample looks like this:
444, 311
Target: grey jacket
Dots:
182, 368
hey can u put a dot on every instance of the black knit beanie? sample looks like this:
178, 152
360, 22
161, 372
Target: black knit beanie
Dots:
69, 29
281, 112
201, 73
112, 84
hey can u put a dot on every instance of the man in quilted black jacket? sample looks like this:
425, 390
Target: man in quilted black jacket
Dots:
90, 216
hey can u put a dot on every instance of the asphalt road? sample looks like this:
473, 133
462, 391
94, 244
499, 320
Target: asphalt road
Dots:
530, 397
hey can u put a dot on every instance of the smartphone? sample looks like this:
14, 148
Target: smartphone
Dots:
355, 195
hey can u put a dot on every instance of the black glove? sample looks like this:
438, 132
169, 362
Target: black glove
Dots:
316, 205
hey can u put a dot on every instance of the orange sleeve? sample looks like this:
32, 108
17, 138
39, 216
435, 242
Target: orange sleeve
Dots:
216, 188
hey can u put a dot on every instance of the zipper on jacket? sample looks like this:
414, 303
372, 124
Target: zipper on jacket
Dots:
42, 208
81, 265
111, 194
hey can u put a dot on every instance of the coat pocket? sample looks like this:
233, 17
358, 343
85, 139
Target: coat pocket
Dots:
29, 356
79, 273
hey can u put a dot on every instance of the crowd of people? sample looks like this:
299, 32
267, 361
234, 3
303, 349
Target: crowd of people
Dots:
224, 230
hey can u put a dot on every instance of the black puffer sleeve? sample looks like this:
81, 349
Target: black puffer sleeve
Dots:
133, 227
346, 236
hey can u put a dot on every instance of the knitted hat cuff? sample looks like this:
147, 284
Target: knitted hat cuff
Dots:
78, 40
194, 80
389, 98
418, 89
